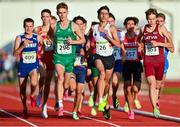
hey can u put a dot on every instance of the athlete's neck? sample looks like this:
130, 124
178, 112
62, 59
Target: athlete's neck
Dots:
28, 35
130, 34
64, 23
102, 25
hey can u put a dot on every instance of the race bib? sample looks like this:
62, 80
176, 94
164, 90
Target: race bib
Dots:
29, 57
103, 49
64, 48
150, 50
79, 61
131, 54
117, 54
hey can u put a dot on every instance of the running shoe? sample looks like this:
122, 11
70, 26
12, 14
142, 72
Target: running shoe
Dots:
126, 108
65, 95
38, 100
102, 105
156, 112
33, 101
115, 102
93, 112
24, 114
158, 104
131, 115
75, 116
56, 107
137, 104
91, 101
44, 112
60, 111
106, 113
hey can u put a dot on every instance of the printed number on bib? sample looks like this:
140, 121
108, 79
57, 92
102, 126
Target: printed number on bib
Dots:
116, 54
78, 61
102, 49
150, 50
63, 49
131, 54
29, 57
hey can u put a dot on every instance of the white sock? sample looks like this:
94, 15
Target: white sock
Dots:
100, 100
60, 103
92, 93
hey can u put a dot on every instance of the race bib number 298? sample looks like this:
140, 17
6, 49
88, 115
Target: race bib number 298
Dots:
63, 49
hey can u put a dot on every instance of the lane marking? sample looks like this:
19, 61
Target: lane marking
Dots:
17, 117
52, 108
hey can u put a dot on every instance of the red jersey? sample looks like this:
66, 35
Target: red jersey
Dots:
131, 46
150, 51
46, 57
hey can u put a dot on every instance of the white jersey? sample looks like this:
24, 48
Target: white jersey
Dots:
103, 46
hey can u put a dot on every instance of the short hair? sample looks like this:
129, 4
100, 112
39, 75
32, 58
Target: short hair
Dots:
102, 8
94, 23
111, 16
161, 15
53, 17
27, 20
47, 11
151, 11
134, 19
79, 18
62, 5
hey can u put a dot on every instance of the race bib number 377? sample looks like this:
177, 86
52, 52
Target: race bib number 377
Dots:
29, 57
150, 50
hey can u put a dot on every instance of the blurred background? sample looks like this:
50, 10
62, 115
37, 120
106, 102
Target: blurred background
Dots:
13, 12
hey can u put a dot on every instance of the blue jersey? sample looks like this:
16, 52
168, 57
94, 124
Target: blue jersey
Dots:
166, 65
28, 57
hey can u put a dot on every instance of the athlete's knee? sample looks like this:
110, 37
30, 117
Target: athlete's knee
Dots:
137, 87
102, 75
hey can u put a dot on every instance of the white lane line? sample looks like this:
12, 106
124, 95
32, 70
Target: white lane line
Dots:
51, 108
144, 113
17, 117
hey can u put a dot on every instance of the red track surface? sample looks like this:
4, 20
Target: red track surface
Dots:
10, 102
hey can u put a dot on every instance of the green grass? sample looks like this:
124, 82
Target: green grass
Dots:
171, 90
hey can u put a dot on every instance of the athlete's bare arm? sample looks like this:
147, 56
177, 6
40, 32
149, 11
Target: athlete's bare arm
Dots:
79, 34
19, 46
114, 39
168, 39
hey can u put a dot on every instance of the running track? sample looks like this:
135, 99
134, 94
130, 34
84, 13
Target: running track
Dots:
10, 110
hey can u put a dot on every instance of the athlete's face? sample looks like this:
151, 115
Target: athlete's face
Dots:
62, 13
104, 15
111, 21
160, 21
29, 26
152, 19
46, 18
81, 25
130, 25
53, 23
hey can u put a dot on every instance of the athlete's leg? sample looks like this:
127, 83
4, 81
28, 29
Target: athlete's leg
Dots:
33, 79
115, 83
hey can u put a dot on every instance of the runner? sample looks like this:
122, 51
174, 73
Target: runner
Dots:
79, 72
53, 21
46, 66
64, 54
105, 36
26, 48
118, 63
132, 64
161, 21
153, 36
92, 72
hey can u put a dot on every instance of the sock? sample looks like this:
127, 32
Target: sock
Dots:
100, 100
60, 103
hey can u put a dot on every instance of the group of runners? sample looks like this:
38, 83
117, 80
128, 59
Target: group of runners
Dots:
62, 48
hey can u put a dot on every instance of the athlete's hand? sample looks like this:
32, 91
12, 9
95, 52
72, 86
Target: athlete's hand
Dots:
106, 35
26, 42
154, 43
69, 41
